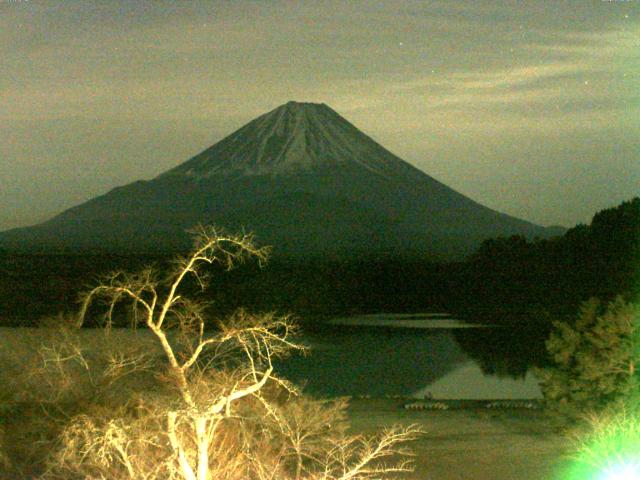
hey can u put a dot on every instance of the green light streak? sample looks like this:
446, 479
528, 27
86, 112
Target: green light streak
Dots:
611, 451
624, 471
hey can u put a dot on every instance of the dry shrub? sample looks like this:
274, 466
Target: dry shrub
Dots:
5, 463
67, 373
109, 446
61, 364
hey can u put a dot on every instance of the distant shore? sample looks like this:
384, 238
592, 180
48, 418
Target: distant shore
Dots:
400, 320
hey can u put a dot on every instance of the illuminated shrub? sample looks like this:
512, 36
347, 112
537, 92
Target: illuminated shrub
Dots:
594, 361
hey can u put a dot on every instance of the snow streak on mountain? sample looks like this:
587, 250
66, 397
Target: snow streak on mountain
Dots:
293, 138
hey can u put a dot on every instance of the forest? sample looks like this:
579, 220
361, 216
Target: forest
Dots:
508, 281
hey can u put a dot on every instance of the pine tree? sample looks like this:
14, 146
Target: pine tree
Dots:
594, 360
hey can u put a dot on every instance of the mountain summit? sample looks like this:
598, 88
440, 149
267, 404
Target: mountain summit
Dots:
303, 178
293, 138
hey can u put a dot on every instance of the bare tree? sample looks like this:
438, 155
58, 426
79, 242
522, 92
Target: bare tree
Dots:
227, 415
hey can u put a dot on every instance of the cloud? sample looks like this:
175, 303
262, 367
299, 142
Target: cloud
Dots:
527, 76
584, 81
620, 42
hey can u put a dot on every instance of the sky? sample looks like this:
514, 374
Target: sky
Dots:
530, 107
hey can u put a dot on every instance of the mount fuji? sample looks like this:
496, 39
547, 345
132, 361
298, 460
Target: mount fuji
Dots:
301, 177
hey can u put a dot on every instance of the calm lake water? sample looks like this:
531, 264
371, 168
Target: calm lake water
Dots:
406, 355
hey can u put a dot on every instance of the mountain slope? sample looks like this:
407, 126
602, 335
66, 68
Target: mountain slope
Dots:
303, 178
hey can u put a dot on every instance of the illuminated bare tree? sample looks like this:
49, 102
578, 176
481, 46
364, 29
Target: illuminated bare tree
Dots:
231, 417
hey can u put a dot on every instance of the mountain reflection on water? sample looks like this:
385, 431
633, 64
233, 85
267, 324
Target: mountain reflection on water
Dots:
425, 355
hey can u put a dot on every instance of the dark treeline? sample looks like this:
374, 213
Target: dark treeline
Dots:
510, 278
510, 281
524, 285
34, 286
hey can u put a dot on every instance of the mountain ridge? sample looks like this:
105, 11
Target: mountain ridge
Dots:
303, 178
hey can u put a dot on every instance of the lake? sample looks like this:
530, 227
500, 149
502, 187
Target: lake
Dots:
375, 355
414, 355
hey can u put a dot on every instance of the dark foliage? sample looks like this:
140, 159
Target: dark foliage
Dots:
523, 285
594, 361
35, 286
32, 286
512, 280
